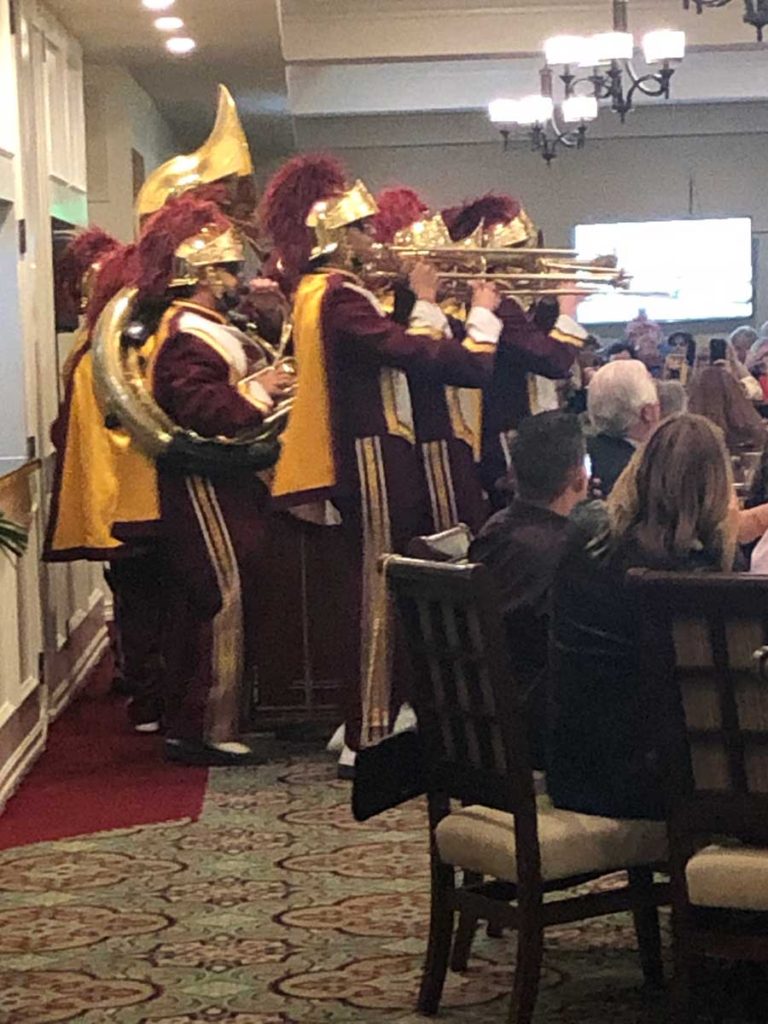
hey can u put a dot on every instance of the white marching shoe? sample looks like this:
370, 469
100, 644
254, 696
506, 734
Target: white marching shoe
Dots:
345, 766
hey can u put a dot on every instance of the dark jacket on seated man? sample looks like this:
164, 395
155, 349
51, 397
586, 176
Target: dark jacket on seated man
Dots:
624, 409
603, 717
609, 456
522, 544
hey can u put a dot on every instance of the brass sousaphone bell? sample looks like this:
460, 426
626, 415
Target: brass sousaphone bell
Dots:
120, 379
120, 343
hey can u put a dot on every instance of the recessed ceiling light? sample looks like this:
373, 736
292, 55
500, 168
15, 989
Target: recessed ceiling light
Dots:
180, 45
158, 5
168, 24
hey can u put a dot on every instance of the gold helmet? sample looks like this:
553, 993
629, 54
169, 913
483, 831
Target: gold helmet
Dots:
432, 233
519, 231
208, 248
223, 155
328, 217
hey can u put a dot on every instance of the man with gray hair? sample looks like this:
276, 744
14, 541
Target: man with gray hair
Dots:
624, 409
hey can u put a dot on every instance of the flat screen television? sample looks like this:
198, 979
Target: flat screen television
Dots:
705, 266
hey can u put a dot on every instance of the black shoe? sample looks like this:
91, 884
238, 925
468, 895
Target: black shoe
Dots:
190, 752
346, 772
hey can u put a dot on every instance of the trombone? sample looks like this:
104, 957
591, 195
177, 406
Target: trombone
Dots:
532, 273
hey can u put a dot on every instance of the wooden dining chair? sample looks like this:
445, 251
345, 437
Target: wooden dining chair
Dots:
705, 650
451, 545
474, 752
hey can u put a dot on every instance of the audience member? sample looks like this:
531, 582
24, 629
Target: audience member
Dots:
620, 350
522, 544
680, 356
716, 394
676, 514
673, 398
624, 409
646, 337
722, 353
756, 360
742, 339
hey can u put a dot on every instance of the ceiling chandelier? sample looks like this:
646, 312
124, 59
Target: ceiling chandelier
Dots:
593, 69
755, 12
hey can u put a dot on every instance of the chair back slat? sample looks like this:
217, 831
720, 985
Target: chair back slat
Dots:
451, 545
701, 635
472, 730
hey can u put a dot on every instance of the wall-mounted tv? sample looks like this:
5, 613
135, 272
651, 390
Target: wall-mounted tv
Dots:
705, 266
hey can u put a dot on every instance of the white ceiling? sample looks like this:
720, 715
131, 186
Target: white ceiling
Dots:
350, 59
238, 43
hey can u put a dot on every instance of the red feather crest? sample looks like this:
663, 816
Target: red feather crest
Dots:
89, 247
118, 270
488, 210
398, 209
290, 195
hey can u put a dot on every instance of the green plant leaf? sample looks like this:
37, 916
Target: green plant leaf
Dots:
13, 536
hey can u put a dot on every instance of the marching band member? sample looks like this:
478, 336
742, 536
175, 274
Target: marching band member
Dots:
97, 471
445, 417
350, 439
212, 521
535, 348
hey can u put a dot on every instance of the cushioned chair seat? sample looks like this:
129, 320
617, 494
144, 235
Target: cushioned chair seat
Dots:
481, 839
733, 877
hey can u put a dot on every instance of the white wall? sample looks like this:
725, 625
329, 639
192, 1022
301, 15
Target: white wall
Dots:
51, 617
120, 117
13, 422
665, 163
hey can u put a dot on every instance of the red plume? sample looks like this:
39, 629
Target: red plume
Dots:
398, 209
488, 210
118, 270
89, 247
290, 195
163, 233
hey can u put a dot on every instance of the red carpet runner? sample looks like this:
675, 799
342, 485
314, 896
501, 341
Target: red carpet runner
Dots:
97, 774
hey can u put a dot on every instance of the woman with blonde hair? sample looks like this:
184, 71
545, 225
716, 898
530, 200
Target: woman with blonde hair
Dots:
672, 510
674, 507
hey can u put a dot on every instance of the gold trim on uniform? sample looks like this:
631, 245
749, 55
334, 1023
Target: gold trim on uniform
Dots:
396, 402
568, 339
506, 449
489, 347
376, 613
465, 408
437, 468
222, 713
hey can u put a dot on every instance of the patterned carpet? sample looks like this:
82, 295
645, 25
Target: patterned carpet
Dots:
273, 908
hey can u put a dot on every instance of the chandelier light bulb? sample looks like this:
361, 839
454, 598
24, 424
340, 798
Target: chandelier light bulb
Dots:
610, 46
663, 44
579, 108
180, 45
168, 24
535, 109
503, 111
564, 50
158, 5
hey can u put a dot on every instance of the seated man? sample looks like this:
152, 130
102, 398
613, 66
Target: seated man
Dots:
522, 544
624, 409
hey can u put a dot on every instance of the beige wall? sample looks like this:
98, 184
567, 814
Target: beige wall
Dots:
120, 117
665, 163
